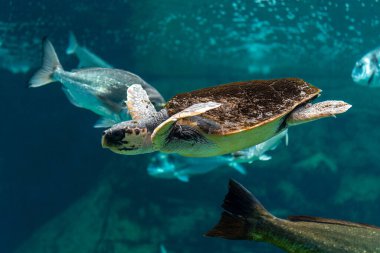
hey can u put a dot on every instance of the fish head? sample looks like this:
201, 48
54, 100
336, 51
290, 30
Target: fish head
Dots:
365, 69
128, 138
244, 156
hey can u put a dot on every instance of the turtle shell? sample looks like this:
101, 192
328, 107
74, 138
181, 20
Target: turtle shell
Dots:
247, 104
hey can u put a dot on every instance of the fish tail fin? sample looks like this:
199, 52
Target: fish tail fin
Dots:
73, 44
50, 64
241, 211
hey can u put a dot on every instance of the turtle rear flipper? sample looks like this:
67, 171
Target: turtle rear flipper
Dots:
138, 103
160, 134
311, 112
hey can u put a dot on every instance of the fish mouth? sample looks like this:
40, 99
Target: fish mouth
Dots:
356, 72
357, 76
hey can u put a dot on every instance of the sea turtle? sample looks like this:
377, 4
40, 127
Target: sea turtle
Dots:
217, 120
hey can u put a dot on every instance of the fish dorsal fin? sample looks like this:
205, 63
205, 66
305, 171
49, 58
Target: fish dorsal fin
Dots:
73, 44
239, 201
241, 211
301, 218
138, 103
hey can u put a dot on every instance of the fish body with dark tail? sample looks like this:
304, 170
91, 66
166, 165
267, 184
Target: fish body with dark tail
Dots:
245, 218
100, 90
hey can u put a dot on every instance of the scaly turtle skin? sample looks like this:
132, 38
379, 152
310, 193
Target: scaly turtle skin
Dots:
217, 120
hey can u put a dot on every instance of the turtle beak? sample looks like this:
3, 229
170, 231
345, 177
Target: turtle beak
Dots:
104, 143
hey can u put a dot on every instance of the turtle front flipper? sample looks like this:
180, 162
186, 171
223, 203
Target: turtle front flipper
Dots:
138, 103
311, 112
161, 133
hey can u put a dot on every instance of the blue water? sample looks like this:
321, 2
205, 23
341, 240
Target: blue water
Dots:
61, 192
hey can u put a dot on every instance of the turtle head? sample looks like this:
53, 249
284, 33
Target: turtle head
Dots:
128, 138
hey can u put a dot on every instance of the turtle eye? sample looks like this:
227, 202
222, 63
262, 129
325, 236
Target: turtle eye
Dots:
124, 104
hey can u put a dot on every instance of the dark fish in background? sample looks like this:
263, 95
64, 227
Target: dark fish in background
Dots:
244, 218
367, 70
85, 56
100, 90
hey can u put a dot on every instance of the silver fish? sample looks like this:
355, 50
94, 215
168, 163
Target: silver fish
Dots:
259, 151
100, 90
175, 166
245, 218
182, 168
367, 70
85, 56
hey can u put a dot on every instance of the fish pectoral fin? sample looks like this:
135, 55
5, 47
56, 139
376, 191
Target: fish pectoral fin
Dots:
182, 178
370, 79
104, 123
274, 147
238, 167
70, 97
286, 138
265, 157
